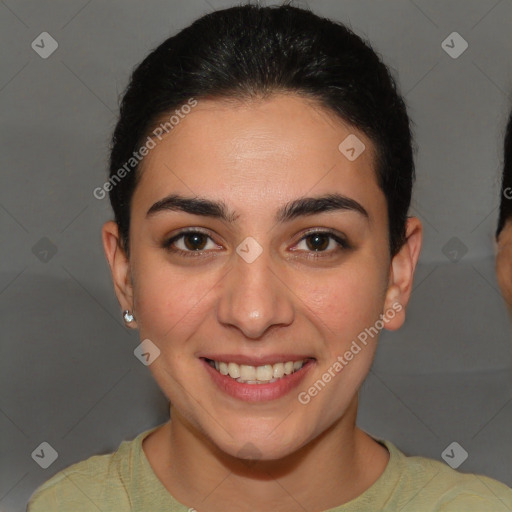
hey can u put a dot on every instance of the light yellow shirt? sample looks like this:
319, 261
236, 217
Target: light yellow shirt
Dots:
124, 481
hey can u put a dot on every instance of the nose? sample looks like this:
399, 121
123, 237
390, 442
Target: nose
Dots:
254, 297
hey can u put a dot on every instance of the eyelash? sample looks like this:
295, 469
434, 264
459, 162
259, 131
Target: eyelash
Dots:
342, 244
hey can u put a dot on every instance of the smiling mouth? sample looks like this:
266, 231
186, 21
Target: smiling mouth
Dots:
265, 374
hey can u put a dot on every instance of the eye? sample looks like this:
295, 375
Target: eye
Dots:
189, 242
195, 243
322, 242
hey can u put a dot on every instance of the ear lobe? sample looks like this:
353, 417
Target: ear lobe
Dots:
119, 266
401, 276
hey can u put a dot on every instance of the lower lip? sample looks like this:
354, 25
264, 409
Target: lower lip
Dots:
258, 392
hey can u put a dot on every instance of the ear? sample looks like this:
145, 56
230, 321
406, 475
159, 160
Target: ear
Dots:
401, 275
119, 267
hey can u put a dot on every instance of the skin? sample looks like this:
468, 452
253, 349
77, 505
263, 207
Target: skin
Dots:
256, 156
503, 266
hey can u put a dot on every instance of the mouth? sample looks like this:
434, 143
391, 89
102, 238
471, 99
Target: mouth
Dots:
260, 380
263, 374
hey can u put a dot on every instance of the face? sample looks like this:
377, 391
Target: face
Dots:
504, 263
270, 282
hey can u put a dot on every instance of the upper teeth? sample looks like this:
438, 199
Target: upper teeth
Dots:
256, 374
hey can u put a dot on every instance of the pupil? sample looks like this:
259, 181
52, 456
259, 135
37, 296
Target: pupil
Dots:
318, 246
196, 240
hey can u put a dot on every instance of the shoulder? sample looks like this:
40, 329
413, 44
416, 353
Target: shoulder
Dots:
90, 485
426, 481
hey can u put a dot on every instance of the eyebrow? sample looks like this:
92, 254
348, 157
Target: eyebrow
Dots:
300, 207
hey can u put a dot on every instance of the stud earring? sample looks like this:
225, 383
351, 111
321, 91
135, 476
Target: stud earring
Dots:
127, 316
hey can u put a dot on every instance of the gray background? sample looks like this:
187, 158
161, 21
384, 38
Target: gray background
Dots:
68, 373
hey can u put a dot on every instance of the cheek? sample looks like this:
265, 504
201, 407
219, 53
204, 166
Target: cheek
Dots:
344, 302
170, 302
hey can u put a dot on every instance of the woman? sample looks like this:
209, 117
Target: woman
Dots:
260, 176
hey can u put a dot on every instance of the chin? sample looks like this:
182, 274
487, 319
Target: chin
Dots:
252, 443
261, 449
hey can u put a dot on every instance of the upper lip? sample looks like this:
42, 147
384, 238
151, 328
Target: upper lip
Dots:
255, 360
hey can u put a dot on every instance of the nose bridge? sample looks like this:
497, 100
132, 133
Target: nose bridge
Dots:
253, 298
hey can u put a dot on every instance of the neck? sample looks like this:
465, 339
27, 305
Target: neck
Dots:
334, 468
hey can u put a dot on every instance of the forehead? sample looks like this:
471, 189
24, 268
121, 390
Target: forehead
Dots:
264, 150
